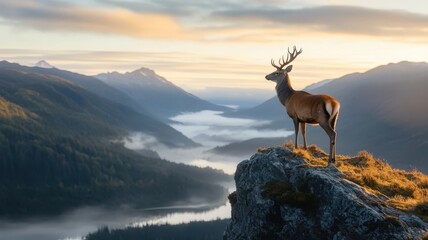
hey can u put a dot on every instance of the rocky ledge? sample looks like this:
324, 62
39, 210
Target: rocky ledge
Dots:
279, 195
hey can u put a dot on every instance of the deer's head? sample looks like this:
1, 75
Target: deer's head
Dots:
281, 73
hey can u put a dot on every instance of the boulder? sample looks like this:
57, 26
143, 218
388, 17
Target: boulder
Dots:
280, 196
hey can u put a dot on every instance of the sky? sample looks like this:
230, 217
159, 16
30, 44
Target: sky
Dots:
213, 44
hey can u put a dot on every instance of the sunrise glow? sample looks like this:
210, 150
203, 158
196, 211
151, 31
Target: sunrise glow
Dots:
222, 44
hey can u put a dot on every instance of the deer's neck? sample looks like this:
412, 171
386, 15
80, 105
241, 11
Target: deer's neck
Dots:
284, 90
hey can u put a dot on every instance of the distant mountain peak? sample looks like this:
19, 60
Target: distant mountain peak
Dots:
149, 76
144, 71
43, 64
156, 94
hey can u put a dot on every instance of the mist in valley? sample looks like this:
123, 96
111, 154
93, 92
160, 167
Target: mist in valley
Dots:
210, 129
76, 224
117, 114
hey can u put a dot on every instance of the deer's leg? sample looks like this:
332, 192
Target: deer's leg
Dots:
333, 126
296, 131
333, 147
332, 135
303, 126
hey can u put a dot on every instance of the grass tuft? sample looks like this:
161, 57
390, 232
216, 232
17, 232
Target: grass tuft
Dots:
263, 150
406, 190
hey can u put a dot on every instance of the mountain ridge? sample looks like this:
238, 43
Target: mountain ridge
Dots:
378, 110
43, 64
60, 103
90, 83
72, 101
156, 94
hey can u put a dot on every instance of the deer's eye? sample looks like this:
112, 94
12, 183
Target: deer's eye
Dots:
276, 73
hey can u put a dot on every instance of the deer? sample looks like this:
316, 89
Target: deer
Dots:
305, 108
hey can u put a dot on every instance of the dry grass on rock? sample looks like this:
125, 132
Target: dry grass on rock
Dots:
406, 190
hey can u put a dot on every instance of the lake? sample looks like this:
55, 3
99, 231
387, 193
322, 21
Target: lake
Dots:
80, 222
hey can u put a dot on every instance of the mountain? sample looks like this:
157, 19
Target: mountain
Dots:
283, 193
382, 111
156, 94
59, 150
89, 83
43, 64
69, 107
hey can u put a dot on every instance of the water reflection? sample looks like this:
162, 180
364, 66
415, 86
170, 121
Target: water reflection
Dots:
76, 224
221, 212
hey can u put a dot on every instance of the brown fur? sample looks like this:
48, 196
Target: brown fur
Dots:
304, 107
307, 108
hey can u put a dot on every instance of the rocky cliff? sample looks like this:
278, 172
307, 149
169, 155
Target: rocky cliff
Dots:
281, 195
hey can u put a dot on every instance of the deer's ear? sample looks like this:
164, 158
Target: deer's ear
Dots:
288, 69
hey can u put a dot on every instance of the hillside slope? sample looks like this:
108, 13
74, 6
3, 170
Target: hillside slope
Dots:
382, 111
57, 152
89, 83
156, 94
70, 109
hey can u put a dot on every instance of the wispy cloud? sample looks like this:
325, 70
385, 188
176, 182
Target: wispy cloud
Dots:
194, 71
213, 129
42, 15
348, 20
226, 20
213, 118
186, 8
210, 129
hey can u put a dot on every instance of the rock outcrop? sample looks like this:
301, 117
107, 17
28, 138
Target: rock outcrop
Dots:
280, 196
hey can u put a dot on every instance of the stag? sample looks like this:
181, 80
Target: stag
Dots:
304, 107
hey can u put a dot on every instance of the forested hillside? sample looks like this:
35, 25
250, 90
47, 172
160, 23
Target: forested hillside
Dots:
58, 151
195, 230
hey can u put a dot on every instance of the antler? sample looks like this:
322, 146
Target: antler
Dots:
290, 57
273, 64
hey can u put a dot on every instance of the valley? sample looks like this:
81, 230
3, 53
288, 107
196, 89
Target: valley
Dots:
77, 147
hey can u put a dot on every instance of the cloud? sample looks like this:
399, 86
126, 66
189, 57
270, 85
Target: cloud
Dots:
190, 70
218, 21
350, 20
198, 71
212, 129
214, 118
118, 21
139, 140
186, 8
